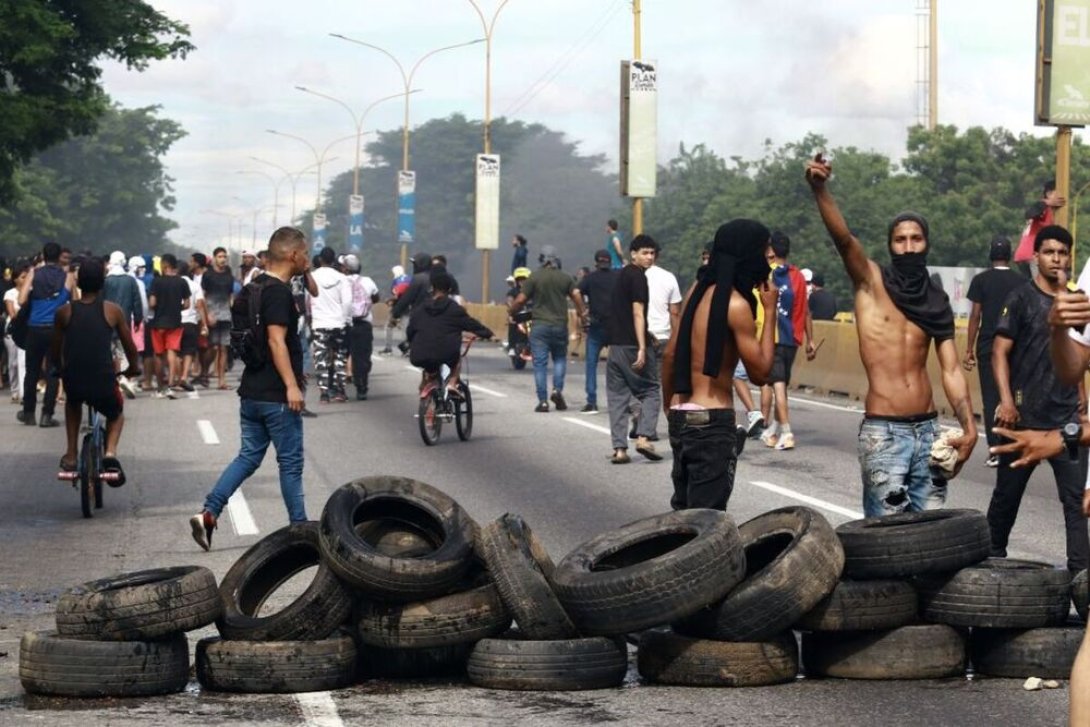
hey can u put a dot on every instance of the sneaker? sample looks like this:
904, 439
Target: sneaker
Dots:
26, 418
307, 413
361, 395
158, 394
186, 386
589, 409
127, 388
542, 407
48, 422
992, 461
786, 441
644, 447
620, 457
769, 439
202, 524
558, 399
754, 421
323, 399
169, 393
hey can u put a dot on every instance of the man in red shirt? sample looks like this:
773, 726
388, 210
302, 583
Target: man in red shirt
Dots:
1039, 215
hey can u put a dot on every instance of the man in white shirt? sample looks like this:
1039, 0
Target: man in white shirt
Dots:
663, 315
361, 336
330, 317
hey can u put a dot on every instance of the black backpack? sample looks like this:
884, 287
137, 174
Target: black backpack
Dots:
249, 343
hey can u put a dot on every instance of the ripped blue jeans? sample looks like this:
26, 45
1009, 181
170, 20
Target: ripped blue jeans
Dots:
895, 458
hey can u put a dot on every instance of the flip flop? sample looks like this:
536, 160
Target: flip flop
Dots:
224, 387
111, 465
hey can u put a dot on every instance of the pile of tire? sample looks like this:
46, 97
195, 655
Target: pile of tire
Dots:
121, 637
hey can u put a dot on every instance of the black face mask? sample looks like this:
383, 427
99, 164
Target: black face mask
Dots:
910, 263
910, 288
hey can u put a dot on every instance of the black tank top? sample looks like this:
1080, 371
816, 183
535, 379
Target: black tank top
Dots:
88, 359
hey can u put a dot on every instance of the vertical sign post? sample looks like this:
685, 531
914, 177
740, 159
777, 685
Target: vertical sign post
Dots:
406, 207
355, 223
318, 232
488, 211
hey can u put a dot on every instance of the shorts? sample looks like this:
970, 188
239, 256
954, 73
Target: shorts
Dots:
433, 366
166, 339
110, 406
219, 334
189, 339
783, 358
740, 372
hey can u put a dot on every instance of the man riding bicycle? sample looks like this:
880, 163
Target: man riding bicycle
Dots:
83, 332
435, 333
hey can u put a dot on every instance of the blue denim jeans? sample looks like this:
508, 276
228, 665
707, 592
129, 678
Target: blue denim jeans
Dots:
596, 337
896, 461
265, 422
549, 340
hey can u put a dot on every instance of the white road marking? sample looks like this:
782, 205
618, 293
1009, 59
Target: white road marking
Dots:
588, 425
241, 518
490, 392
318, 709
208, 432
853, 514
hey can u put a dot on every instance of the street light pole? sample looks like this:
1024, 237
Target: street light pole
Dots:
293, 178
276, 188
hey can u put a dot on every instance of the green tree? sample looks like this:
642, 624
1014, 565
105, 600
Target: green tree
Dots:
49, 77
101, 192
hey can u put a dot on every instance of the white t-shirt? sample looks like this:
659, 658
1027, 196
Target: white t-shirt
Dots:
663, 290
369, 290
189, 314
12, 294
1083, 336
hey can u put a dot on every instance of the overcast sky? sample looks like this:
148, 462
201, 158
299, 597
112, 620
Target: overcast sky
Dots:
732, 73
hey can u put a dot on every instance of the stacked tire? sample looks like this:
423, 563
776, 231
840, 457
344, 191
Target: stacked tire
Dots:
121, 637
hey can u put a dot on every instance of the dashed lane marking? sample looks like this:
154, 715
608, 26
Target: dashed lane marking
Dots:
588, 425
208, 432
318, 709
490, 392
853, 514
242, 520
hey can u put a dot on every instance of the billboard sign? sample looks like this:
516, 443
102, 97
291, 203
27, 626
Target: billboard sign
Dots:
1063, 62
355, 222
488, 202
406, 206
639, 127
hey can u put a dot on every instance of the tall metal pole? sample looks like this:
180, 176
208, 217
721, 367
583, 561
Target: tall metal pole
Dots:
276, 188
637, 202
1063, 171
933, 69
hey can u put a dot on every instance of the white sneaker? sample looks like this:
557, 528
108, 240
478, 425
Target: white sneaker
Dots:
754, 420
769, 438
158, 394
786, 441
127, 387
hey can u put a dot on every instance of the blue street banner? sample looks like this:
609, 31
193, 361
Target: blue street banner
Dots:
355, 222
406, 206
317, 235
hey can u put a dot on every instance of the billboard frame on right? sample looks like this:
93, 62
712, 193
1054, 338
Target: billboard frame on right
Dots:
1061, 57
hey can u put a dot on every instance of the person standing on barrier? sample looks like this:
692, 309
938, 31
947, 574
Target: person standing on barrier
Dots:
987, 291
898, 313
717, 330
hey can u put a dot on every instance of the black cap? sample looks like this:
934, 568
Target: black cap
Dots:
818, 279
601, 256
1000, 249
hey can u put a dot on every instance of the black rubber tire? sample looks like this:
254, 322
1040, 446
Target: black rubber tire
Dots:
863, 606
650, 572
912, 543
668, 658
459, 618
1080, 594
793, 561
563, 665
463, 413
276, 667
431, 423
140, 606
325, 605
444, 661
57, 666
400, 499
1001, 593
87, 478
521, 569
1047, 653
396, 539
909, 652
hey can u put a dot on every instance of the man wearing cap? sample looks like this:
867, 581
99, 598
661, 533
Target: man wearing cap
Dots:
361, 335
121, 289
898, 313
549, 290
987, 291
597, 290
247, 267
822, 302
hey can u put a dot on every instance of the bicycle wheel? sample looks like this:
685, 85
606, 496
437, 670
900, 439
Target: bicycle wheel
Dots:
431, 423
87, 477
463, 413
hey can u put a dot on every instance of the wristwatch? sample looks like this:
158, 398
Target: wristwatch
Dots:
1071, 434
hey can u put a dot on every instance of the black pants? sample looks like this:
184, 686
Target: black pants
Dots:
1010, 484
989, 394
38, 341
361, 342
704, 457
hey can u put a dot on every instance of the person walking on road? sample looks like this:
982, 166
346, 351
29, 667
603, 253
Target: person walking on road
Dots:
1031, 397
987, 291
898, 313
47, 288
716, 331
271, 393
549, 290
597, 290
330, 316
16, 355
632, 369
361, 336
218, 285
168, 297
122, 290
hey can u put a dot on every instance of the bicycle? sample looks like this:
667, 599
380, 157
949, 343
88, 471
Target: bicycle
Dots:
88, 477
437, 406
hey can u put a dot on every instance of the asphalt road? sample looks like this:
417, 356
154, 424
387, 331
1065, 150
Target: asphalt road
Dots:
550, 468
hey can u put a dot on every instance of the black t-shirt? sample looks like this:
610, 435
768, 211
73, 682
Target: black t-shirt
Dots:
277, 308
169, 292
597, 288
217, 287
990, 289
1043, 402
822, 305
630, 287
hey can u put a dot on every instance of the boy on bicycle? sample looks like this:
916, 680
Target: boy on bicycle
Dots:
435, 332
83, 333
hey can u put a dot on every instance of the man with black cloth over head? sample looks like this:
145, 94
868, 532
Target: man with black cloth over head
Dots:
898, 312
718, 328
